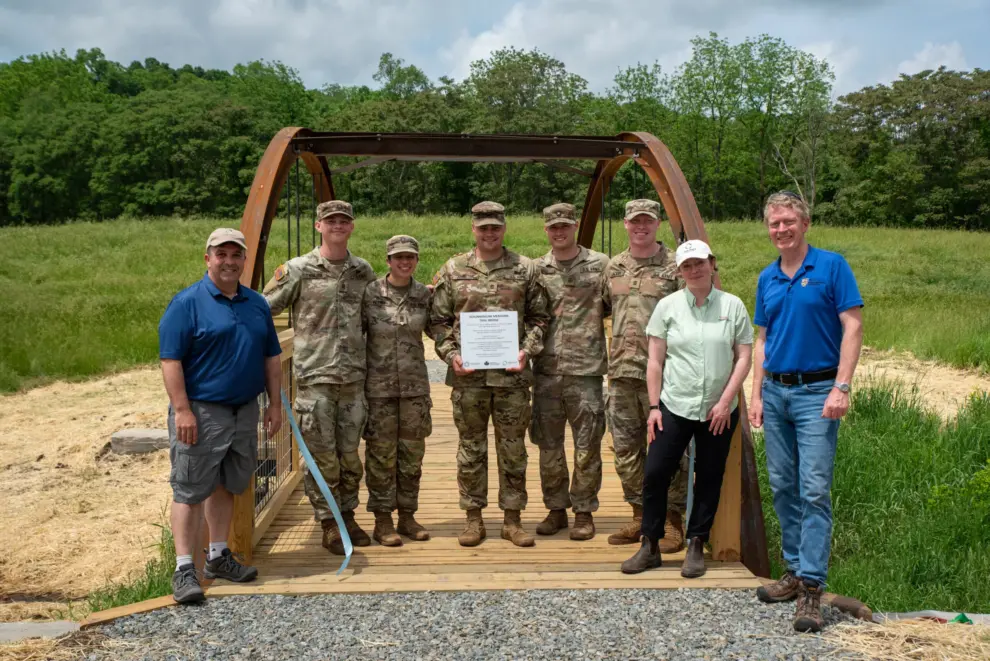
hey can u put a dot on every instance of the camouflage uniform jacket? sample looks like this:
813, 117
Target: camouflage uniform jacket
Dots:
631, 290
575, 340
395, 323
329, 344
466, 284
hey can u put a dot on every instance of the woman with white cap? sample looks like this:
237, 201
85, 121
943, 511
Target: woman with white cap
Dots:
700, 350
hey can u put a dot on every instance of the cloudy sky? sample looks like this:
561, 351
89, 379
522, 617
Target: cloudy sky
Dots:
866, 41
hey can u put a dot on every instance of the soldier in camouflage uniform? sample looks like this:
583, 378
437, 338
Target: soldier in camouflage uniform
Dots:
490, 278
396, 312
325, 289
634, 281
568, 376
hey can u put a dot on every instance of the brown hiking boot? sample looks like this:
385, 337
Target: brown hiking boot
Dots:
673, 533
785, 589
647, 557
384, 532
631, 532
556, 521
409, 527
358, 536
808, 618
512, 530
331, 537
474, 531
584, 527
694, 562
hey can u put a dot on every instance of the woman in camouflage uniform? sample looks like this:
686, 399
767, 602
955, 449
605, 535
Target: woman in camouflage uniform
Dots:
396, 311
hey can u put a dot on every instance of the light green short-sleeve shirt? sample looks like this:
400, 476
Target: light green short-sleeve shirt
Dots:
700, 342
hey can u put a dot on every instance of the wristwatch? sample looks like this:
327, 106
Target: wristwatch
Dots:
843, 387
655, 407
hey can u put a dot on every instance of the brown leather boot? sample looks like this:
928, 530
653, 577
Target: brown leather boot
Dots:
673, 533
785, 589
411, 528
384, 532
474, 531
694, 562
331, 537
808, 617
629, 533
556, 521
647, 557
584, 527
512, 530
358, 536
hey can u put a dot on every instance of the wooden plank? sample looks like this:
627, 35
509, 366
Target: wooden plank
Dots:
111, 614
268, 515
725, 536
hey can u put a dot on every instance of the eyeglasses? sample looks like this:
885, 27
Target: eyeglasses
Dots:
790, 194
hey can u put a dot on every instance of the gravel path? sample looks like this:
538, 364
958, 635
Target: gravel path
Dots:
538, 624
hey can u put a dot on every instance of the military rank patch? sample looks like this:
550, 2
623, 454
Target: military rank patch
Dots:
281, 272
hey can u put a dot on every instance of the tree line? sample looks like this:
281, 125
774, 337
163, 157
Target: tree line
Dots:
83, 137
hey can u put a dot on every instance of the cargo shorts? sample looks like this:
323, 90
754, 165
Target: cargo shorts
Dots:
225, 452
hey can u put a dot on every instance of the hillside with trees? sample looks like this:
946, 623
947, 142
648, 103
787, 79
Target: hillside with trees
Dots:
83, 137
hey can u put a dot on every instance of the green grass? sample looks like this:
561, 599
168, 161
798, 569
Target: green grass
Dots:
85, 298
911, 504
155, 581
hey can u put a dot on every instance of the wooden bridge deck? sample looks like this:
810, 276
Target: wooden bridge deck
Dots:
291, 560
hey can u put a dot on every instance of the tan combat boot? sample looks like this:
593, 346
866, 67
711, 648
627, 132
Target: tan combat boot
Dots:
384, 532
512, 530
673, 533
411, 528
629, 533
358, 536
474, 531
584, 527
556, 520
331, 537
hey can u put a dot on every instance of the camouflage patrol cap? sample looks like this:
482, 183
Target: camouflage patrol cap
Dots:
334, 207
647, 207
401, 243
561, 213
487, 213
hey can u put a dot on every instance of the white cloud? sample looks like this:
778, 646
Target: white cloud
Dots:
844, 59
932, 56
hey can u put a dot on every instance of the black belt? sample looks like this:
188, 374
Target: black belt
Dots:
807, 377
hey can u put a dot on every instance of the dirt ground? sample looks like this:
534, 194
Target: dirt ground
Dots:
73, 515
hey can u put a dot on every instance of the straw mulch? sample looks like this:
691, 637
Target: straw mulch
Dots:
73, 515
913, 640
76, 645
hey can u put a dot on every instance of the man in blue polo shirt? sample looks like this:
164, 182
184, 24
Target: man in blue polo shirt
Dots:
219, 351
808, 313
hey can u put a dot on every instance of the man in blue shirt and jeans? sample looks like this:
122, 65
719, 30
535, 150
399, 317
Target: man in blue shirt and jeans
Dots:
219, 352
809, 318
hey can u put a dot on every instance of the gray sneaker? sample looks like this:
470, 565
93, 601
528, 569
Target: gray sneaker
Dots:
228, 567
185, 586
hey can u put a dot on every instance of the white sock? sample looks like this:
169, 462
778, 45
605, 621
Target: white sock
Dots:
182, 560
216, 550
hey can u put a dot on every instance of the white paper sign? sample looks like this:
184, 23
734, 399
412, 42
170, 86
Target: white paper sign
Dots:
490, 340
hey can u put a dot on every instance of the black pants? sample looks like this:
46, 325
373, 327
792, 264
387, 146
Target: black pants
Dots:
664, 457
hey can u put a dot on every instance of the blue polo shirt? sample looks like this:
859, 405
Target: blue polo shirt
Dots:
801, 314
221, 342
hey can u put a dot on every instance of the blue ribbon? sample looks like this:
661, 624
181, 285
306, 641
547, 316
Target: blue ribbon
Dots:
314, 470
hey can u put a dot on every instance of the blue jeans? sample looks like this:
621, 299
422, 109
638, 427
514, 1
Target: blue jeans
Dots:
800, 446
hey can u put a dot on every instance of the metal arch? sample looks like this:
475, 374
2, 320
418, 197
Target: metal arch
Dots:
263, 199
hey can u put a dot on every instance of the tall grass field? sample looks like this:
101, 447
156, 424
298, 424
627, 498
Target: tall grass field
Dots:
85, 298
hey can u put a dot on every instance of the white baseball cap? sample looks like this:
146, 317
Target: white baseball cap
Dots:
693, 249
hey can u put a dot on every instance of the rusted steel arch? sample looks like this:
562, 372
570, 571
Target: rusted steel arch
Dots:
266, 188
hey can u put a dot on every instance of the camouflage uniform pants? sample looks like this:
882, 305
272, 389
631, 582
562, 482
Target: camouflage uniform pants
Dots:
557, 400
628, 409
331, 418
509, 410
395, 442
